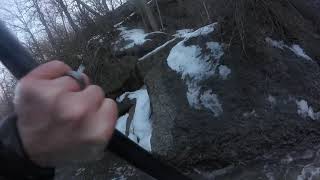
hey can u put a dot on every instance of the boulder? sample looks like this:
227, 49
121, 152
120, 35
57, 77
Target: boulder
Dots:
266, 102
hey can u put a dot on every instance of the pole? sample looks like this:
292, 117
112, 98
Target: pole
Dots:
19, 62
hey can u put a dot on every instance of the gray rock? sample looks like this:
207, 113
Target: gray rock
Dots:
109, 168
249, 126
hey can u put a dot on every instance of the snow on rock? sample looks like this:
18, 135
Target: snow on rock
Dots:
271, 99
309, 172
274, 43
134, 36
122, 123
182, 32
140, 128
194, 67
304, 110
200, 32
224, 72
187, 61
250, 114
95, 38
210, 101
299, 51
295, 48
193, 94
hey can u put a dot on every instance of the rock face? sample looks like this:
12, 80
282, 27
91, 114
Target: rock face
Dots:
259, 111
111, 167
226, 100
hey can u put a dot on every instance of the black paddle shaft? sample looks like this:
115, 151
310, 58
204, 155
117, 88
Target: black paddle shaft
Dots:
19, 62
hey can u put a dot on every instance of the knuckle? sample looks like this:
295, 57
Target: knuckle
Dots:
25, 85
60, 65
76, 113
97, 91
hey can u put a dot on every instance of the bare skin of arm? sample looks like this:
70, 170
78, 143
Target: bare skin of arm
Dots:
59, 123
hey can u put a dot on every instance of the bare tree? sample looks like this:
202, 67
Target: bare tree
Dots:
44, 23
159, 14
66, 12
88, 8
144, 10
25, 25
105, 5
7, 85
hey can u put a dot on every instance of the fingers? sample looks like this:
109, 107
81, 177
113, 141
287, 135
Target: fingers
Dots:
68, 84
104, 121
50, 70
78, 105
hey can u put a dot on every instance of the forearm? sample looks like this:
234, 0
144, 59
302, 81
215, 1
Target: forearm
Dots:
14, 163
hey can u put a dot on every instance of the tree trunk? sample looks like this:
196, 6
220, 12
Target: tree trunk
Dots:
85, 15
105, 5
142, 5
88, 8
35, 42
159, 14
66, 12
44, 23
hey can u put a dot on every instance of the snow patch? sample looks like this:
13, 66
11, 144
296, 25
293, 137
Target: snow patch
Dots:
122, 123
210, 101
274, 43
295, 48
224, 72
309, 172
187, 61
134, 36
304, 110
299, 52
193, 94
250, 114
200, 32
194, 67
140, 129
181, 33
271, 99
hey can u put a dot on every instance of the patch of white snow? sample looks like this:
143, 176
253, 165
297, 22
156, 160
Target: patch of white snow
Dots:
134, 36
194, 67
210, 101
224, 72
276, 44
193, 94
122, 123
295, 48
272, 100
140, 129
309, 172
187, 60
201, 31
181, 33
299, 52
304, 110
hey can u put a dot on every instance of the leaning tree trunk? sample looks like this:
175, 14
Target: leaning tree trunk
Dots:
105, 5
88, 8
44, 23
142, 6
66, 12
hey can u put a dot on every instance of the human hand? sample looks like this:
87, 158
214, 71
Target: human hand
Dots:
57, 122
